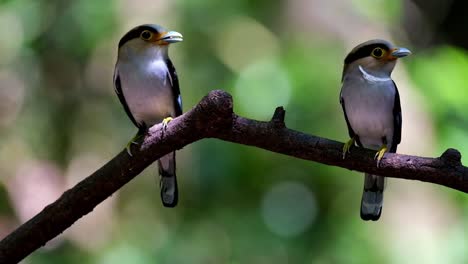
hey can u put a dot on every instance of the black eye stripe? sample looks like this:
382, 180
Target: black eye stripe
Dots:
136, 33
364, 52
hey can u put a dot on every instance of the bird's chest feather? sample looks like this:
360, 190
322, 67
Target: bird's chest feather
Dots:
369, 107
147, 89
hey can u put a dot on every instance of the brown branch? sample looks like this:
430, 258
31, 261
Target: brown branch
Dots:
213, 117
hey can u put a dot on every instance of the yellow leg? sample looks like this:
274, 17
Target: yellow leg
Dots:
165, 122
347, 146
134, 141
379, 155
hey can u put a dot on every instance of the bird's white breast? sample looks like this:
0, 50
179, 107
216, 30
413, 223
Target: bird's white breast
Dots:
369, 108
147, 88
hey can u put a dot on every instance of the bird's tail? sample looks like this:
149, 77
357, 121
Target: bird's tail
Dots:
168, 180
372, 197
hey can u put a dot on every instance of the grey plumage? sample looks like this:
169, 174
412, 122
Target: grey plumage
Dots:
147, 85
372, 197
371, 106
168, 180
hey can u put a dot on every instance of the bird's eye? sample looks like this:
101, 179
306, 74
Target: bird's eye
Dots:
146, 35
378, 53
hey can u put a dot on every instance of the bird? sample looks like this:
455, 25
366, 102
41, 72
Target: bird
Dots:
146, 83
371, 105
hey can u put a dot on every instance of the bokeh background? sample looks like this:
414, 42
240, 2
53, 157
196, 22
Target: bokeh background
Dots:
60, 121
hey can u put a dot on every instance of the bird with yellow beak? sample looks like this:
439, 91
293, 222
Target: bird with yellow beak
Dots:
146, 83
371, 106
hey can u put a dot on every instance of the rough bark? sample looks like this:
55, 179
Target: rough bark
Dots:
213, 117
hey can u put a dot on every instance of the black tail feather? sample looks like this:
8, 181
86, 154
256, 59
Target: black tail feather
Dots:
168, 180
372, 197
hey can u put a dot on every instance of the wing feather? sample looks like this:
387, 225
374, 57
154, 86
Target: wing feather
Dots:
397, 121
119, 92
175, 87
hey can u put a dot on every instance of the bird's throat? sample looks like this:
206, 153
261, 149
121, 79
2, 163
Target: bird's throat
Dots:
372, 78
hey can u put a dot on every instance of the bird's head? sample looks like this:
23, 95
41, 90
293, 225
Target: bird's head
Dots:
376, 56
148, 37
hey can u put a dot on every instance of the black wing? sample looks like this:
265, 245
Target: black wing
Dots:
397, 121
350, 129
175, 87
119, 92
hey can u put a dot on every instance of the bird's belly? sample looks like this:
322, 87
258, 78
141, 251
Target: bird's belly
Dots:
370, 124
370, 114
149, 102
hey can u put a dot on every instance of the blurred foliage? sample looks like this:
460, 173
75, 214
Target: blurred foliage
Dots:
59, 113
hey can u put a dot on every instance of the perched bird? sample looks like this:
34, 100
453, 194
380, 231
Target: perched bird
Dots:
371, 106
146, 83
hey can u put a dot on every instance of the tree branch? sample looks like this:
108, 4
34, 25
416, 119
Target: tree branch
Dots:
213, 117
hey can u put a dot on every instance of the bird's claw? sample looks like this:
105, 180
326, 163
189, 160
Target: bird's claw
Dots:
379, 155
347, 146
133, 141
128, 149
165, 122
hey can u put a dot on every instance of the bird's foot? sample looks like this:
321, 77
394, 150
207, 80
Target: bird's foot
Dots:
347, 146
165, 122
133, 141
379, 155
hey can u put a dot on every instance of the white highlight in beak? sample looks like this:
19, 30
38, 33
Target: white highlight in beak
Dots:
401, 52
172, 37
